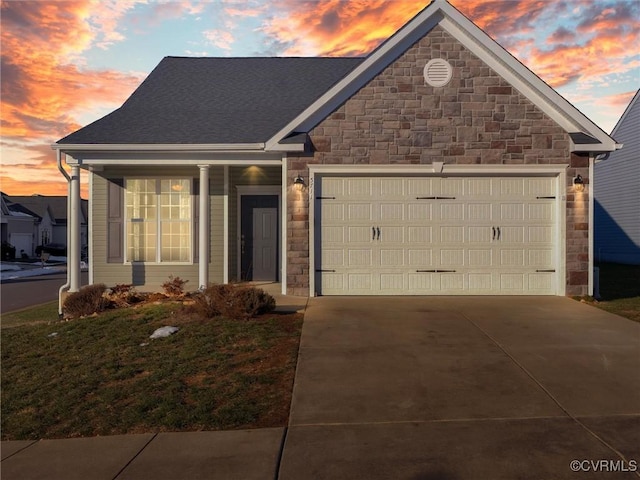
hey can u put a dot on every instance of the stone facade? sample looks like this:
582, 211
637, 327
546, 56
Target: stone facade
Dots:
478, 118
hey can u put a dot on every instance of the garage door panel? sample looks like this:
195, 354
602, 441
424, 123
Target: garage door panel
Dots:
358, 187
511, 186
541, 212
540, 234
359, 234
419, 212
541, 282
480, 212
332, 235
391, 212
512, 257
511, 234
392, 257
480, 257
451, 186
391, 187
480, 282
332, 212
391, 282
359, 212
420, 282
360, 282
419, 235
333, 258
420, 257
360, 257
541, 258
452, 257
452, 211
479, 234
511, 212
452, 282
451, 234
332, 186
420, 187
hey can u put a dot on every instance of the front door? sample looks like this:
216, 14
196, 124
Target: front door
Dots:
265, 243
259, 238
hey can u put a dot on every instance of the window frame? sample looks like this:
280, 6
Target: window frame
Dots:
158, 221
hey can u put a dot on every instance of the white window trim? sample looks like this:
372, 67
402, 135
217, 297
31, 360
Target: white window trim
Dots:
158, 250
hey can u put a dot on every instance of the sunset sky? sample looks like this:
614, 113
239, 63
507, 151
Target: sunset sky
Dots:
68, 63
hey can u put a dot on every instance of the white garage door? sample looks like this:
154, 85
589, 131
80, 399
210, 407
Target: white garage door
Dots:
435, 236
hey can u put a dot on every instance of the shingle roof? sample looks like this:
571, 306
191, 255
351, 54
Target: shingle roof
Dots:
216, 100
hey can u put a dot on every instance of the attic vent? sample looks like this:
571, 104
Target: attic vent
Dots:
437, 72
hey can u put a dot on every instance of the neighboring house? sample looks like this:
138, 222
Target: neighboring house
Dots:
438, 164
48, 221
17, 229
617, 196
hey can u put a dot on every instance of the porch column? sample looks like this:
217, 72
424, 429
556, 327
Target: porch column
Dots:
73, 243
203, 238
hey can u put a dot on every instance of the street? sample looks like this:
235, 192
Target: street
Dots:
30, 291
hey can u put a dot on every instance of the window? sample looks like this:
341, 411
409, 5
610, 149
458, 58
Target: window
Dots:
158, 216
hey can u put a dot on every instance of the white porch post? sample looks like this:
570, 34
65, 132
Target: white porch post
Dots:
203, 238
73, 243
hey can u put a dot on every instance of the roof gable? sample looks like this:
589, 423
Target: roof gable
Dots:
585, 135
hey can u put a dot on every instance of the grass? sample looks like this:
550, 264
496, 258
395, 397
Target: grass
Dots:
45, 313
620, 290
102, 375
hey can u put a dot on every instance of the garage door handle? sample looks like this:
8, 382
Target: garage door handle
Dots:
373, 233
378, 229
498, 233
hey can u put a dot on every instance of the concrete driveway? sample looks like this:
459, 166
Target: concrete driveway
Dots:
463, 388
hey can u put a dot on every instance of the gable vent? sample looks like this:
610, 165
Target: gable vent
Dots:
437, 72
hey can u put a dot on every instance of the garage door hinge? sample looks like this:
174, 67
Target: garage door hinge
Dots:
435, 198
324, 270
539, 198
435, 271
551, 270
325, 198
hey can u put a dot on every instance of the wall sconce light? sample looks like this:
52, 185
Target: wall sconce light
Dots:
298, 183
578, 184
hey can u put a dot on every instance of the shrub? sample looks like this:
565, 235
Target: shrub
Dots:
122, 295
233, 302
174, 287
88, 300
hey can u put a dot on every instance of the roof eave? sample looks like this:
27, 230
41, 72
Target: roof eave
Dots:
158, 147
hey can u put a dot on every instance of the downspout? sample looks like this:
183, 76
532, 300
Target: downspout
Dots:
591, 194
67, 285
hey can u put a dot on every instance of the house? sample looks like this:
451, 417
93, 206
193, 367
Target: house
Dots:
438, 164
16, 231
39, 220
617, 198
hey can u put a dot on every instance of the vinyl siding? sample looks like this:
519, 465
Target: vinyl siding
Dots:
617, 211
150, 277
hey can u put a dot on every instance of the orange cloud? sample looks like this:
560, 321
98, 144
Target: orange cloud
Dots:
42, 92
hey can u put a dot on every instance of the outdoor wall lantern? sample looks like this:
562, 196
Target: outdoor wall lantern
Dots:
298, 183
578, 184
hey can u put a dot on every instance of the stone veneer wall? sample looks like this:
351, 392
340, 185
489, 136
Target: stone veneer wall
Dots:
478, 118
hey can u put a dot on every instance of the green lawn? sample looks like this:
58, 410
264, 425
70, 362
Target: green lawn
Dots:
102, 375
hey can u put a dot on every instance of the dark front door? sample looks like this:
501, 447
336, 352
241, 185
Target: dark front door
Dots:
259, 237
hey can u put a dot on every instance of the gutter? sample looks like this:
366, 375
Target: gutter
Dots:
67, 285
173, 147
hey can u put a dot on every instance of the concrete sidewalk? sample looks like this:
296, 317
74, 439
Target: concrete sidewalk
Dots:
411, 387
